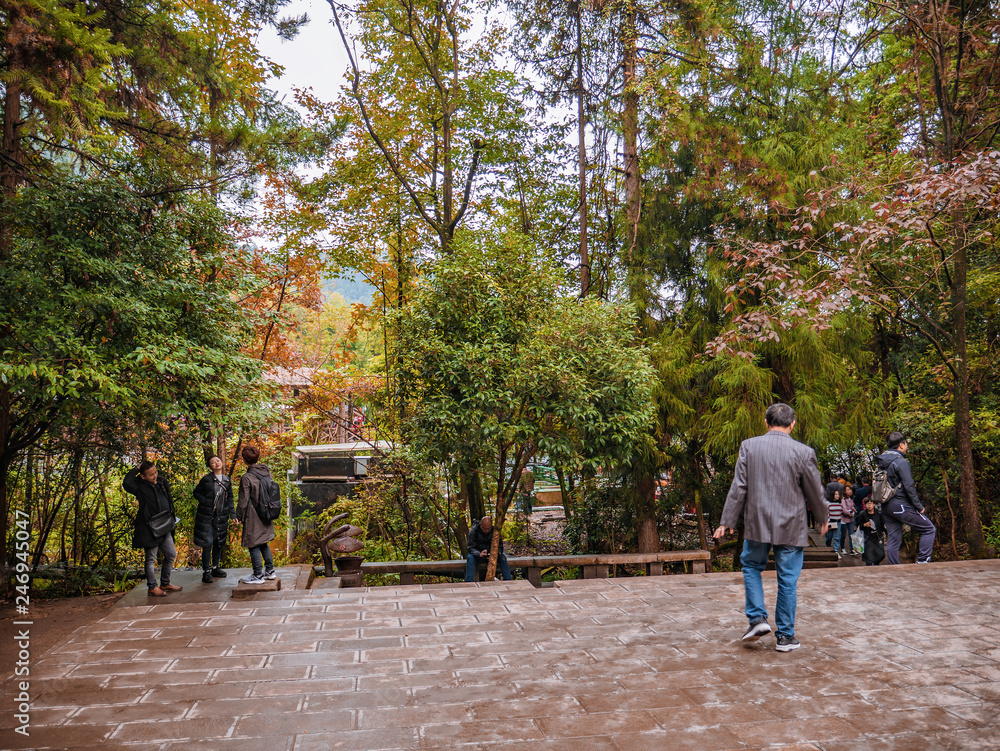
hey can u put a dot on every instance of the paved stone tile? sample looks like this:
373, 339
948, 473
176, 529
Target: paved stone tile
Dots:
593, 743
102, 714
376, 698
252, 675
489, 709
305, 686
67, 736
916, 698
219, 707
200, 692
611, 701
255, 726
265, 743
891, 659
598, 723
149, 680
140, 667
412, 717
693, 739
382, 739
170, 730
479, 732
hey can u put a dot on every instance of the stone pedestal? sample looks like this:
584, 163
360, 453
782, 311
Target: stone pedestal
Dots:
244, 591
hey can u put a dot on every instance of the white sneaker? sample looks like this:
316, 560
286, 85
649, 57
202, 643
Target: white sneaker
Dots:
252, 579
270, 575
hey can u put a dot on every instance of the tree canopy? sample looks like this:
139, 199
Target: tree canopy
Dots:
603, 236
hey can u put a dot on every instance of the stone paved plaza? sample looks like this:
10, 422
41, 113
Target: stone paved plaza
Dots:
893, 658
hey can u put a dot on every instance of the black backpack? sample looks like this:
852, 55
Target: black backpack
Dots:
268, 505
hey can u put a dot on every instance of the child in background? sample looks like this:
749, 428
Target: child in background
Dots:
870, 522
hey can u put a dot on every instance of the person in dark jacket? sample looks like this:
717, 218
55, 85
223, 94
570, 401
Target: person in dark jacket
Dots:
480, 540
256, 533
153, 492
905, 506
863, 490
214, 494
870, 522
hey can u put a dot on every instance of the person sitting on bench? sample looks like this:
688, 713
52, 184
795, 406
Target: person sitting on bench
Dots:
480, 540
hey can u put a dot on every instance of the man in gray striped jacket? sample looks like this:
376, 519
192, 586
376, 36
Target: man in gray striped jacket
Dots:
775, 477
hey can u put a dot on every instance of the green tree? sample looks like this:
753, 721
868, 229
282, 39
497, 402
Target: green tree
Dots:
108, 308
501, 365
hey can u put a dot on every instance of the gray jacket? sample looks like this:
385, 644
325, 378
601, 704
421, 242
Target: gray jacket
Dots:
255, 532
775, 477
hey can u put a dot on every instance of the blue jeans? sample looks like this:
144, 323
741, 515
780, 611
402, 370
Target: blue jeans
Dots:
788, 562
831, 534
260, 557
844, 536
470, 566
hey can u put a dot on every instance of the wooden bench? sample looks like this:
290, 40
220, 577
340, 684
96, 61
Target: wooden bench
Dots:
592, 566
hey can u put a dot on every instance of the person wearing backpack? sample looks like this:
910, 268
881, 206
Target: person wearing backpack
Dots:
903, 506
256, 488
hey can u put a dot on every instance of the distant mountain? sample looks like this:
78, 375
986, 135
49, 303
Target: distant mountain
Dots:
355, 290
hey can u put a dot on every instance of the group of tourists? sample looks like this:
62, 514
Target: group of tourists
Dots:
156, 519
879, 525
845, 503
776, 479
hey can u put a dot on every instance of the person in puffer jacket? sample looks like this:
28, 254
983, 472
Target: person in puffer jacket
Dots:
904, 507
214, 494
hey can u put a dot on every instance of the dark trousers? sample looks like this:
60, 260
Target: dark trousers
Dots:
211, 555
470, 566
169, 553
260, 557
895, 514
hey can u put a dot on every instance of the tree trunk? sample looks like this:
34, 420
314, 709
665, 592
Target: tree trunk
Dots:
564, 494
471, 489
963, 419
648, 534
630, 131
702, 532
581, 121
10, 163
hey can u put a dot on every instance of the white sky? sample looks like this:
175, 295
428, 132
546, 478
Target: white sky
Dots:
314, 59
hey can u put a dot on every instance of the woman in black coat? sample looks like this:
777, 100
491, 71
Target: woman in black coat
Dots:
214, 494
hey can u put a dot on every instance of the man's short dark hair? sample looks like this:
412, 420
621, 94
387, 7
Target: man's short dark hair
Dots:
779, 415
145, 467
895, 438
250, 454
